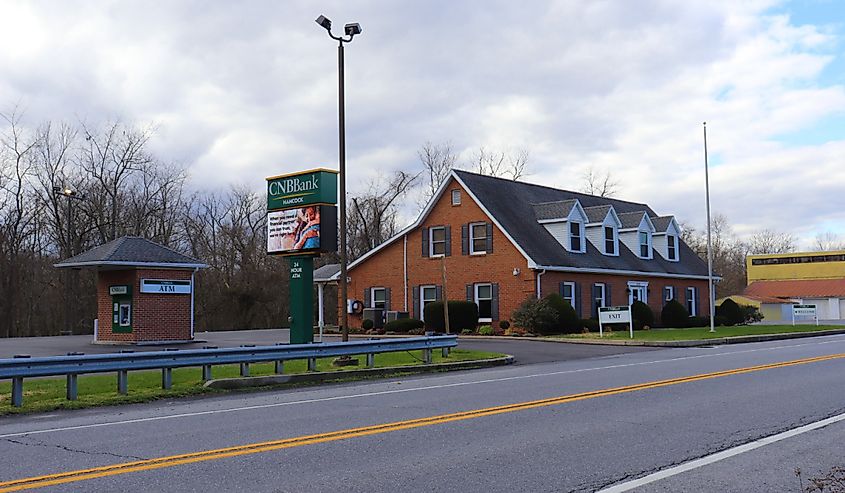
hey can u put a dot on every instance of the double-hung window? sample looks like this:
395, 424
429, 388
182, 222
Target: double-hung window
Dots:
609, 240
428, 294
569, 292
600, 292
378, 298
668, 293
692, 301
575, 238
672, 247
437, 241
645, 246
484, 300
477, 238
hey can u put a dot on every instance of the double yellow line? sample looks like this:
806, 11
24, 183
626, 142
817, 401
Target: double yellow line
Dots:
255, 448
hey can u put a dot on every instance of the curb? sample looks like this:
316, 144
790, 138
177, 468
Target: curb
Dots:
702, 342
328, 376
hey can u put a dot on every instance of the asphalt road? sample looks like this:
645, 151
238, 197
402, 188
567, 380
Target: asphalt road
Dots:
563, 430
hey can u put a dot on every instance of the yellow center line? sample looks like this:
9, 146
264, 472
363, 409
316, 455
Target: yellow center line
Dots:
255, 448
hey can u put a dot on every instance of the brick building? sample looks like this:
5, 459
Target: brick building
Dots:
145, 291
502, 241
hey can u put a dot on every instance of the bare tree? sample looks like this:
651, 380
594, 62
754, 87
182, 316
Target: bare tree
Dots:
770, 241
373, 214
728, 253
502, 164
828, 241
437, 161
600, 184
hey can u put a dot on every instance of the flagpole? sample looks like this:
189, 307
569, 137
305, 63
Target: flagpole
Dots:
711, 295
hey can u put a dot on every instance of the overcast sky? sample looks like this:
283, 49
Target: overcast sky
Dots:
242, 90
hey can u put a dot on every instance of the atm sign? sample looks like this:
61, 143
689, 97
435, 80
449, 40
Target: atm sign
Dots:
162, 286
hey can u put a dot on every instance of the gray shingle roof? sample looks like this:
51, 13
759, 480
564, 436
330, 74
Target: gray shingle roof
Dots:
596, 214
327, 273
131, 251
661, 223
511, 203
631, 219
553, 210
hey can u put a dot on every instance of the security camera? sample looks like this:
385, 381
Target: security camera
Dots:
352, 29
325, 22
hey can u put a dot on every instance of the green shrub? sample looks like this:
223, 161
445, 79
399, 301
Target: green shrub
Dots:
699, 322
721, 321
504, 325
591, 324
642, 315
536, 316
732, 313
367, 324
485, 330
567, 319
404, 325
751, 314
675, 315
466, 332
462, 315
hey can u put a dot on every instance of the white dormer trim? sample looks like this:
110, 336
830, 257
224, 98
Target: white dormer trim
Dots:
577, 216
596, 232
661, 241
631, 237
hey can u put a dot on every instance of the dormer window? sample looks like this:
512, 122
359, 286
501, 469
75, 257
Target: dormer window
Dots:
645, 244
610, 240
576, 237
672, 247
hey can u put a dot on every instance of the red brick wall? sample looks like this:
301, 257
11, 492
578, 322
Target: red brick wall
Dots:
155, 317
385, 269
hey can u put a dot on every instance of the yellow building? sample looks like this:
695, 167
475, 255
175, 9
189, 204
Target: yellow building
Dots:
807, 278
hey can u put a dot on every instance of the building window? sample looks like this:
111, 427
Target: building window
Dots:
672, 247
478, 238
600, 297
692, 302
576, 240
428, 294
668, 293
645, 245
609, 240
456, 197
378, 298
437, 241
569, 292
484, 300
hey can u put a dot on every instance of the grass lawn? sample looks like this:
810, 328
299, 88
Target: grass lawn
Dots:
47, 394
696, 333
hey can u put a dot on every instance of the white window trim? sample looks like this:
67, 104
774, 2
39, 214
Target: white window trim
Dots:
431, 242
423, 298
456, 193
603, 293
581, 233
649, 241
571, 284
671, 291
472, 250
692, 302
475, 298
373, 296
677, 253
615, 240
637, 285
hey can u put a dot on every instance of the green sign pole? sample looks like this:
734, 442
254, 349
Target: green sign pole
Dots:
301, 300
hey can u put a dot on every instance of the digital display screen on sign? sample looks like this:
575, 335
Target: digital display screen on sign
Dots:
301, 230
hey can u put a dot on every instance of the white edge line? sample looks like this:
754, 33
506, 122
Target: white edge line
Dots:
398, 391
725, 454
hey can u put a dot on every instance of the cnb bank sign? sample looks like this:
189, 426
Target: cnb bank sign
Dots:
318, 186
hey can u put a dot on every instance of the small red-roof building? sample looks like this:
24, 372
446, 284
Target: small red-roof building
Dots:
145, 291
503, 241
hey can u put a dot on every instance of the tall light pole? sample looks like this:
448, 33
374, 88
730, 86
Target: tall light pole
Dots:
350, 30
710, 293
70, 195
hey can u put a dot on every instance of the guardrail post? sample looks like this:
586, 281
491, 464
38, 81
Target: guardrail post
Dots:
445, 352
17, 391
427, 356
244, 369
312, 364
371, 360
280, 367
206, 369
122, 382
166, 378
71, 387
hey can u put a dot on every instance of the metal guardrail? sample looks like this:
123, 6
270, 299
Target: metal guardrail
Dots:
74, 364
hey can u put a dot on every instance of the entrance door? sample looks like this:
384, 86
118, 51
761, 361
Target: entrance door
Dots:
637, 292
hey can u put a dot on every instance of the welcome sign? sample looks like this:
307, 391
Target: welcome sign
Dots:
317, 186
